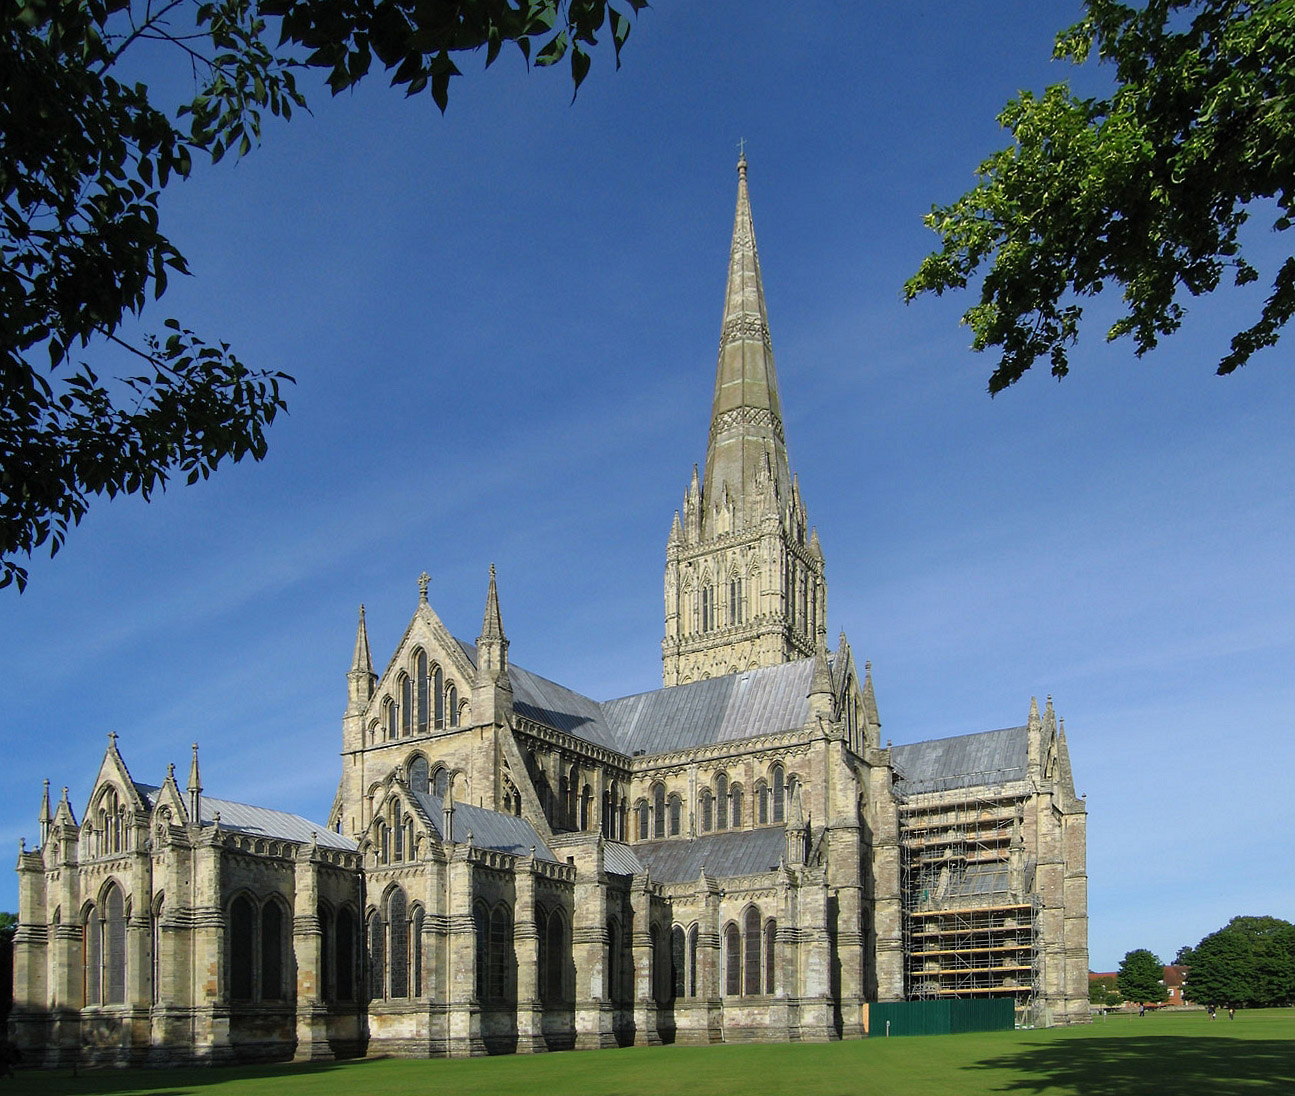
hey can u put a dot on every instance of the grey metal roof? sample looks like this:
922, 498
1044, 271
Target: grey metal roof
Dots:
720, 709
979, 879
987, 757
742, 852
620, 859
554, 705
489, 829
263, 822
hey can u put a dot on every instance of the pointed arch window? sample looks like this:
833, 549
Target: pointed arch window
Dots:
693, 935
501, 939
675, 810
751, 940
735, 802
389, 718
420, 676
438, 695
452, 703
344, 956
398, 948
418, 773
377, 957
707, 811
658, 811
721, 802
779, 793
481, 935
406, 688
242, 940
678, 962
770, 954
613, 960
641, 828
732, 960
735, 600
272, 952
555, 959
441, 781
762, 803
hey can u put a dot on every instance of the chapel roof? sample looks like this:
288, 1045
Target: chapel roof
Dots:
259, 821
489, 829
738, 852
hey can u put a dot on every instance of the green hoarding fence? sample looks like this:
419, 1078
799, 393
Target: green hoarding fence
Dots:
941, 1017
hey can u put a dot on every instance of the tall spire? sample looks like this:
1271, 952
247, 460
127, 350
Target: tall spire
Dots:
492, 692
195, 790
746, 442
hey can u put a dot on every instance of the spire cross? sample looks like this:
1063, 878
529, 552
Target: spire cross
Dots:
741, 148
112, 739
424, 580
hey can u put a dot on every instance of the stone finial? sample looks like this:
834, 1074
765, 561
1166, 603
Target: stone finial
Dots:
424, 580
112, 740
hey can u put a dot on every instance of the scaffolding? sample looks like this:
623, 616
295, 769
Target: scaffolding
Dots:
970, 918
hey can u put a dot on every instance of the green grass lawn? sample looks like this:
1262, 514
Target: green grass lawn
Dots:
1165, 1054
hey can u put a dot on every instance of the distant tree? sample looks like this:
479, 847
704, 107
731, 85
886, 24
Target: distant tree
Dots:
1141, 977
1103, 992
1249, 962
1183, 957
84, 156
1146, 190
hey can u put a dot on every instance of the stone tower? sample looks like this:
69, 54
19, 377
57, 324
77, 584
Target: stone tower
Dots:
744, 583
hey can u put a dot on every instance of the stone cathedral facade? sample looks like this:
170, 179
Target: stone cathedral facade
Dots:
511, 866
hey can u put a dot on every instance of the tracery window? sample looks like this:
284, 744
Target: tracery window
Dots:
377, 957
658, 810
770, 935
678, 962
416, 950
418, 773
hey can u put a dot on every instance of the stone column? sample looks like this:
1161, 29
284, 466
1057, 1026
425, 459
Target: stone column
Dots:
589, 941
526, 945
464, 1019
710, 989
210, 977
308, 948
645, 965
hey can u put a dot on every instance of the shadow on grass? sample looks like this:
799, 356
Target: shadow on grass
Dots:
182, 1081
1165, 1065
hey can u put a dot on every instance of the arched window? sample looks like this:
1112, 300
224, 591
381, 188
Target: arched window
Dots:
416, 951
705, 608
721, 802
438, 696
452, 703
406, 688
420, 676
779, 793
384, 843
242, 943
481, 934
658, 811
735, 802
762, 803
678, 962
154, 942
344, 953
398, 831
92, 951
675, 810
377, 957
389, 711
554, 964
770, 934
707, 811
735, 600
693, 934
751, 941
441, 781
641, 819
272, 953
613, 960
501, 949
418, 773
114, 947
732, 960
398, 949
586, 803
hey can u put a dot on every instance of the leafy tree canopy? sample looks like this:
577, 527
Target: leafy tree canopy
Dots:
1140, 977
1103, 991
8, 924
1146, 190
83, 158
1249, 962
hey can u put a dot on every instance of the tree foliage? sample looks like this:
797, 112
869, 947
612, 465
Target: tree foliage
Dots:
1146, 190
1104, 992
84, 157
1250, 962
1140, 977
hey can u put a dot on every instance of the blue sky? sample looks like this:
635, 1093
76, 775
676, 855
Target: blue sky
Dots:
503, 326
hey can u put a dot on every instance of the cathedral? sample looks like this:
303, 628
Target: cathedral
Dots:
510, 866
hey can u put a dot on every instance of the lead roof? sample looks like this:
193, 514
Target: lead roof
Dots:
987, 757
